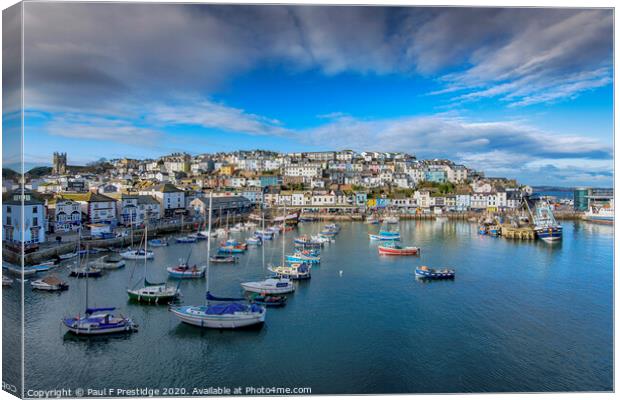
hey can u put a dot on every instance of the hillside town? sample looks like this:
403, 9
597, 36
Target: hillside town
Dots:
129, 192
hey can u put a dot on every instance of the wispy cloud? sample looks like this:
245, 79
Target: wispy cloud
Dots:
209, 114
111, 129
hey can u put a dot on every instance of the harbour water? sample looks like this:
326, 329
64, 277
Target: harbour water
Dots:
520, 316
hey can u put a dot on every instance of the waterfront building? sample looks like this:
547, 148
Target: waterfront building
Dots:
171, 198
127, 209
222, 206
65, 215
98, 208
149, 209
23, 213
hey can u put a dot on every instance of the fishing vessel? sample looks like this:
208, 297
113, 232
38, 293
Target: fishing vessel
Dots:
604, 215
220, 312
431, 273
545, 225
49, 283
394, 249
295, 271
300, 257
386, 233
153, 293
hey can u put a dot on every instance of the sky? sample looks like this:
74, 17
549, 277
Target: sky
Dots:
522, 93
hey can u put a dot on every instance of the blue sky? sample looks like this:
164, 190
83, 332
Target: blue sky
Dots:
524, 93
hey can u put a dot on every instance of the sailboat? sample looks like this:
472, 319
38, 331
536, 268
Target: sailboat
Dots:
140, 253
84, 271
385, 233
157, 293
225, 313
277, 285
98, 321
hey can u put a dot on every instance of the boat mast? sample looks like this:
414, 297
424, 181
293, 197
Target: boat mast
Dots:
146, 235
86, 270
262, 235
283, 234
209, 244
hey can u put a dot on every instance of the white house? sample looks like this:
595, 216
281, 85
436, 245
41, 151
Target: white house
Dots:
65, 215
23, 213
171, 198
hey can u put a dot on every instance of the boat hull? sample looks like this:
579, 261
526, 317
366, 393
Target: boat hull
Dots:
135, 295
383, 237
255, 287
193, 316
434, 275
549, 234
390, 251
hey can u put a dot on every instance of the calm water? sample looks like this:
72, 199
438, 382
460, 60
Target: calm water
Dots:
520, 316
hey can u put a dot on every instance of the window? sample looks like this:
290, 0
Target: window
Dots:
35, 221
8, 221
34, 209
8, 209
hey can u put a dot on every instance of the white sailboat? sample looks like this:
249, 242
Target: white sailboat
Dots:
220, 312
154, 293
277, 285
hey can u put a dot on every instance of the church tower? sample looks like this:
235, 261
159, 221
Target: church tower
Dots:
59, 163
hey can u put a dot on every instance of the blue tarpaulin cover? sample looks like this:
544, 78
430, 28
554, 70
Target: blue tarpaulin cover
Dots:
229, 308
94, 310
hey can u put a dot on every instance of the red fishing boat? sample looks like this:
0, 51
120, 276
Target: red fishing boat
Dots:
393, 249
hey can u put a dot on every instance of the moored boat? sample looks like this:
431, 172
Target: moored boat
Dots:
431, 273
99, 321
184, 271
393, 249
221, 259
86, 272
158, 242
49, 283
6, 281
111, 261
300, 257
186, 239
269, 300
295, 271
137, 254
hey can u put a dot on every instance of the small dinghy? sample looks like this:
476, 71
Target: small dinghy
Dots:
158, 242
184, 271
222, 259
86, 272
231, 249
186, 239
431, 273
49, 283
268, 300
6, 281
393, 249
256, 241
111, 261
68, 256
137, 254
